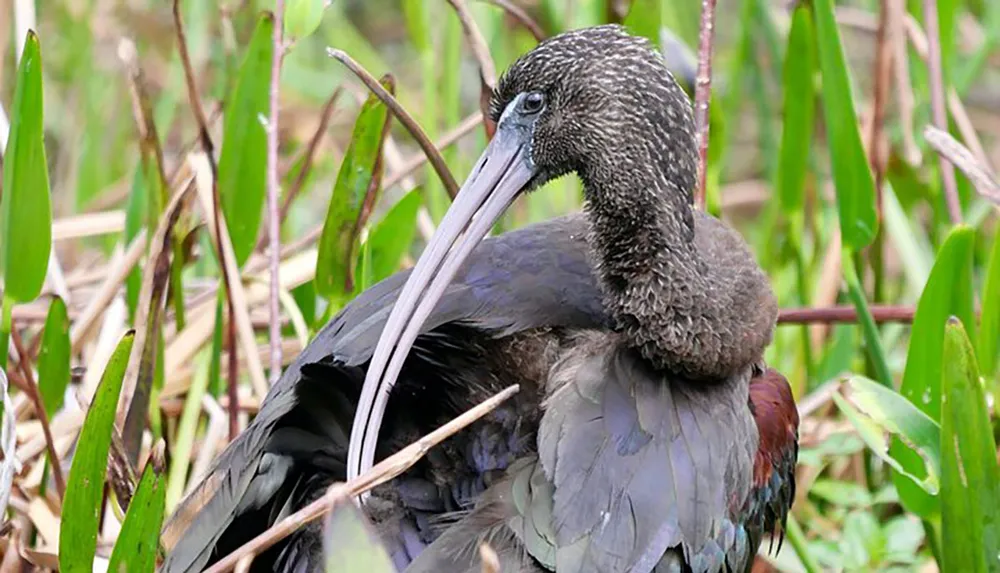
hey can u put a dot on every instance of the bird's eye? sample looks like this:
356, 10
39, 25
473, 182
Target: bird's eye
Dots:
533, 102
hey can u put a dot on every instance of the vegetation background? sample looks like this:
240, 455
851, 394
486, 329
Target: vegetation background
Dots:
127, 335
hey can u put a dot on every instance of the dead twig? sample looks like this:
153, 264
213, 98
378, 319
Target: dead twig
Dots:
192, 86
883, 77
43, 416
845, 314
521, 16
938, 112
481, 50
273, 185
208, 195
381, 473
133, 404
433, 155
703, 94
958, 155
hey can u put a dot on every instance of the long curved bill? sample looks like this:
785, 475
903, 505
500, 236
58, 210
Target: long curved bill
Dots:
501, 173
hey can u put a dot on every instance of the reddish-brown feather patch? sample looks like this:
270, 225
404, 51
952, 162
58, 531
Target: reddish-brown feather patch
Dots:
777, 421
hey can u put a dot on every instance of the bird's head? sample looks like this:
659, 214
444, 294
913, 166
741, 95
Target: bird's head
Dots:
598, 101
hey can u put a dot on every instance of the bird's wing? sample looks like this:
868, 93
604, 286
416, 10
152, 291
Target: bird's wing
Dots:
644, 468
535, 276
634, 473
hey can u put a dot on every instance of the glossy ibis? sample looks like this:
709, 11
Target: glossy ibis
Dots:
648, 434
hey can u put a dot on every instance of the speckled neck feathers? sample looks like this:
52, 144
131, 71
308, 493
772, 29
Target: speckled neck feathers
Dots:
682, 287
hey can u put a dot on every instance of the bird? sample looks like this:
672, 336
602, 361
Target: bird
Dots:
649, 433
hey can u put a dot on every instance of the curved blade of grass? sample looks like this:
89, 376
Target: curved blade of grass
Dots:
874, 409
53, 357
82, 504
25, 210
873, 341
242, 161
948, 292
799, 110
970, 480
851, 173
353, 195
350, 543
136, 546
989, 325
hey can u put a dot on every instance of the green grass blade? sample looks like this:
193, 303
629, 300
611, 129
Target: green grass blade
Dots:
25, 210
989, 326
136, 546
799, 110
360, 170
351, 544
948, 292
851, 174
53, 357
84, 490
243, 159
970, 480
873, 341
874, 410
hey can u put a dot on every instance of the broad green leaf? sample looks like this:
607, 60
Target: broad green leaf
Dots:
989, 325
799, 110
243, 159
302, 17
644, 19
25, 210
970, 479
136, 546
359, 177
948, 292
851, 174
53, 357
874, 409
85, 487
351, 544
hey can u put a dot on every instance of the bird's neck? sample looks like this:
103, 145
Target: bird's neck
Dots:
684, 313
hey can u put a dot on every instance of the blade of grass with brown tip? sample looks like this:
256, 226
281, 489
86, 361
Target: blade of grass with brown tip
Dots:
354, 192
82, 505
135, 394
137, 544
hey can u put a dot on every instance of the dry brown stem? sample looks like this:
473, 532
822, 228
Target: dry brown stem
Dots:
703, 94
433, 155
